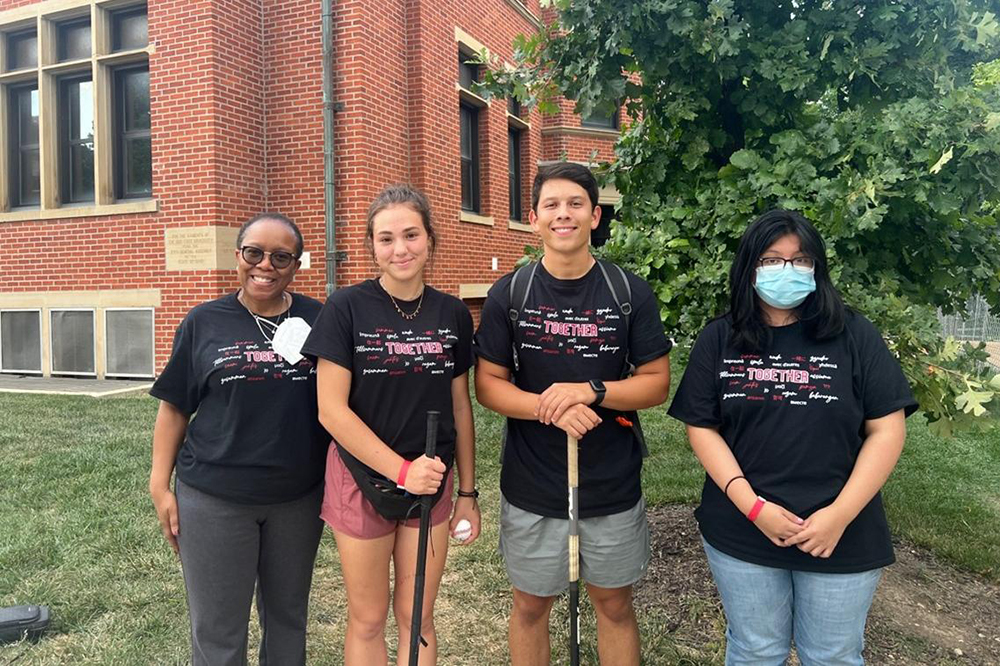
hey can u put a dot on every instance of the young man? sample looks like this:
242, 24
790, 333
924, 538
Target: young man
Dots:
572, 341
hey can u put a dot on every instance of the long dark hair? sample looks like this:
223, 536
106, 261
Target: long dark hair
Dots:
822, 313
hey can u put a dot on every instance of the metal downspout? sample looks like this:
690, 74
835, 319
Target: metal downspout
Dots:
329, 109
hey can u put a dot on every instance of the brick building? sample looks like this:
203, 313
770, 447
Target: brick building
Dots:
135, 137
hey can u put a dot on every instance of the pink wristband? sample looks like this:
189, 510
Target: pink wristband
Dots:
757, 506
401, 479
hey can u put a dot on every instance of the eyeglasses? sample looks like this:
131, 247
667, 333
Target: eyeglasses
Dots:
799, 264
254, 255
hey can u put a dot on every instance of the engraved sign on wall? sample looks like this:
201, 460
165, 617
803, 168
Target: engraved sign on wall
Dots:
200, 248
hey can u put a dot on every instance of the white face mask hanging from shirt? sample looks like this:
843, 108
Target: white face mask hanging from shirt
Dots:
289, 338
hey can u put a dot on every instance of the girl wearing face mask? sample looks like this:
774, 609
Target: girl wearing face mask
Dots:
796, 408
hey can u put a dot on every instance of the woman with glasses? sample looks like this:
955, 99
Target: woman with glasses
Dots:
389, 350
244, 510
795, 407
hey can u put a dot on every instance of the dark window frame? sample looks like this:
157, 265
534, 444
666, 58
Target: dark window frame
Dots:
62, 42
16, 149
116, 18
66, 144
471, 199
515, 191
468, 73
612, 122
124, 136
12, 39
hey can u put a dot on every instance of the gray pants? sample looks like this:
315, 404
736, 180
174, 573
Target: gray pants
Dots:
227, 548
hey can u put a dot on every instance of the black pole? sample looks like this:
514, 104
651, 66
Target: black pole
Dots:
573, 478
425, 527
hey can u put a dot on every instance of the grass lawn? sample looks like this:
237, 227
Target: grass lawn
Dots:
77, 532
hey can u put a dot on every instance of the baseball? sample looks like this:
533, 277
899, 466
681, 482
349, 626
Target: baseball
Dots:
462, 531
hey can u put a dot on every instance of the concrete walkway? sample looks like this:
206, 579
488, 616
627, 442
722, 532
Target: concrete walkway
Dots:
95, 388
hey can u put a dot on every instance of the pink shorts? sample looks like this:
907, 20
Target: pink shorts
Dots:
347, 511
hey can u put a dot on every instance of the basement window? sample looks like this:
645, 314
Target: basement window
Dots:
72, 342
129, 342
21, 341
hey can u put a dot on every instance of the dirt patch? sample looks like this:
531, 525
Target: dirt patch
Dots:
925, 612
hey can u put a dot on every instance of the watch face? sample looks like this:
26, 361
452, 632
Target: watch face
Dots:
597, 385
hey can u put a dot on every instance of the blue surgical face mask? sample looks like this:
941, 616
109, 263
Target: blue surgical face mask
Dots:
784, 288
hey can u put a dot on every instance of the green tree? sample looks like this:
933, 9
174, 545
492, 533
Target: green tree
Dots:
861, 114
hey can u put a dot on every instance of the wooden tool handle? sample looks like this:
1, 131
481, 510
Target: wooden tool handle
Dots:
573, 475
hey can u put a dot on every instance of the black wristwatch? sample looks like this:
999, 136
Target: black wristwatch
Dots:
599, 389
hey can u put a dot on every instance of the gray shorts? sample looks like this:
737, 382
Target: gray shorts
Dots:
614, 550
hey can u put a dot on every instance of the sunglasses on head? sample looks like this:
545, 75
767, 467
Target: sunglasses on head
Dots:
254, 255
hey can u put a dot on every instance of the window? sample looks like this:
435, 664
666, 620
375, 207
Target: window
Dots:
514, 172
25, 176
470, 157
129, 335
599, 121
22, 50
21, 341
468, 72
133, 156
72, 336
73, 42
130, 29
79, 84
513, 107
76, 139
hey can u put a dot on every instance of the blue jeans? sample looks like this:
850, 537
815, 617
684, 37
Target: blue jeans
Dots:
766, 607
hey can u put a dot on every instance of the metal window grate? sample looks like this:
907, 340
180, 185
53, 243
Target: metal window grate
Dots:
129, 342
73, 342
21, 341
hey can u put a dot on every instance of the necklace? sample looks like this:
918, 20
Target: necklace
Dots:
407, 317
263, 323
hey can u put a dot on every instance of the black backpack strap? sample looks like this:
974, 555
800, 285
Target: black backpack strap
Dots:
621, 291
520, 287
617, 282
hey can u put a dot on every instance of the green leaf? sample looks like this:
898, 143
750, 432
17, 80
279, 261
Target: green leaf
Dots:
944, 159
826, 46
744, 159
995, 382
951, 349
941, 428
986, 29
973, 401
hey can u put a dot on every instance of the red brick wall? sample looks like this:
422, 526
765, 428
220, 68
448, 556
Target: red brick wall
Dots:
205, 90
236, 93
293, 125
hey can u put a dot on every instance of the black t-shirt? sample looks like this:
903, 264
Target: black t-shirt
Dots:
794, 417
400, 369
255, 437
570, 331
